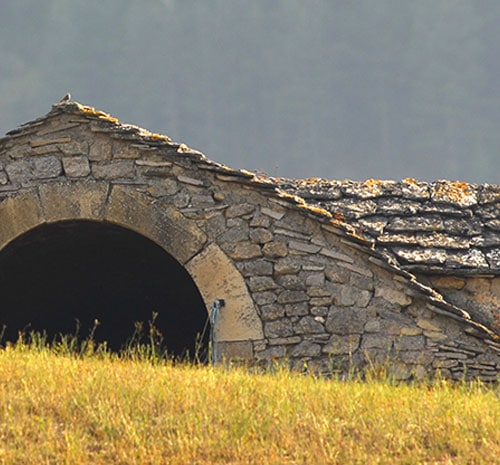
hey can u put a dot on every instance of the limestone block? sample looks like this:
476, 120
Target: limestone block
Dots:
275, 249
319, 311
236, 234
234, 350
343, 344
314, 279
410, 331
319, 292
286, 266
238, 210
217, 278
76, 167
69, 201
309, 325
18, 214
74, 148
46, 167
264, 298
261, 283
345, 320
272, 312
303, 247
291, 282
409, 343
306, 349
278, 328
288, 297
261, 235
393, 296
271, 353
161, 223
297, 309
373, 326
3, 178
258, 267
337, 275
113, 169
348, 296
19, 171
100, 149
376, 341
427, 325
244, 251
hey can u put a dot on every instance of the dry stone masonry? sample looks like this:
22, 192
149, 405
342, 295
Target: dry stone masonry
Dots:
326, 276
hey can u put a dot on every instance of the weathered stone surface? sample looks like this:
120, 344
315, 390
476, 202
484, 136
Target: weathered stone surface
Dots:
70, 200
258, 267
347, 296
309, 325
275, 249
337, 275
19, 171
286, 266
272, 312
289, 297
261, 283
393, 296
237, 234
409, 343
291, 281
166, 226
303, 247
342, 344
19, 214
260, 235
240, 210
298, 309
235, 350
279, 328
46, 167
113, 169
306, 349
376, 341
76, 167
346, 320
314, 279
427, 325
99, 149
238, 319
244, 251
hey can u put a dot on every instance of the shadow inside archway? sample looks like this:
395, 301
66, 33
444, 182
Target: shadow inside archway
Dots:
57, 274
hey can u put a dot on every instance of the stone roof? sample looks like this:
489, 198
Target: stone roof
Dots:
436, 227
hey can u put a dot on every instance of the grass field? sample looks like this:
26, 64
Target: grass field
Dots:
73, 408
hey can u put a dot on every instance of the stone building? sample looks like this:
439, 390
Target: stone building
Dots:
101, 220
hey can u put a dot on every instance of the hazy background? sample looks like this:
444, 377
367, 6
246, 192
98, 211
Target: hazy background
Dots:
298, 88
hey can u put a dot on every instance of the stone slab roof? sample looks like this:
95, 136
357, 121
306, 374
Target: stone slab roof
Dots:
437, 227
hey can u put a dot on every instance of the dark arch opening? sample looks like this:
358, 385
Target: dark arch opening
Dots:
57, 274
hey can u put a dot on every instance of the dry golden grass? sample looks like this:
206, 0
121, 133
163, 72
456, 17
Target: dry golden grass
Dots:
96, 409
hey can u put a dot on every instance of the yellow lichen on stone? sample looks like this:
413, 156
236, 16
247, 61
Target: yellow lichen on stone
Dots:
91, 111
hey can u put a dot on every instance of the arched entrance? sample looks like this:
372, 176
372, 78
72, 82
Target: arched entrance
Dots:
58, 273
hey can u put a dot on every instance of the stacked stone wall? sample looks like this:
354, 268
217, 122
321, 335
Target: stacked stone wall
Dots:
323, 302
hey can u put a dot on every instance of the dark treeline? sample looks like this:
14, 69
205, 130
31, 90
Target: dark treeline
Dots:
330, 88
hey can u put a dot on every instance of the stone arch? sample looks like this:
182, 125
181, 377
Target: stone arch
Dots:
129, 208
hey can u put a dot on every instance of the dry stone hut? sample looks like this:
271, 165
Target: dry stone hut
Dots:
104, 220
